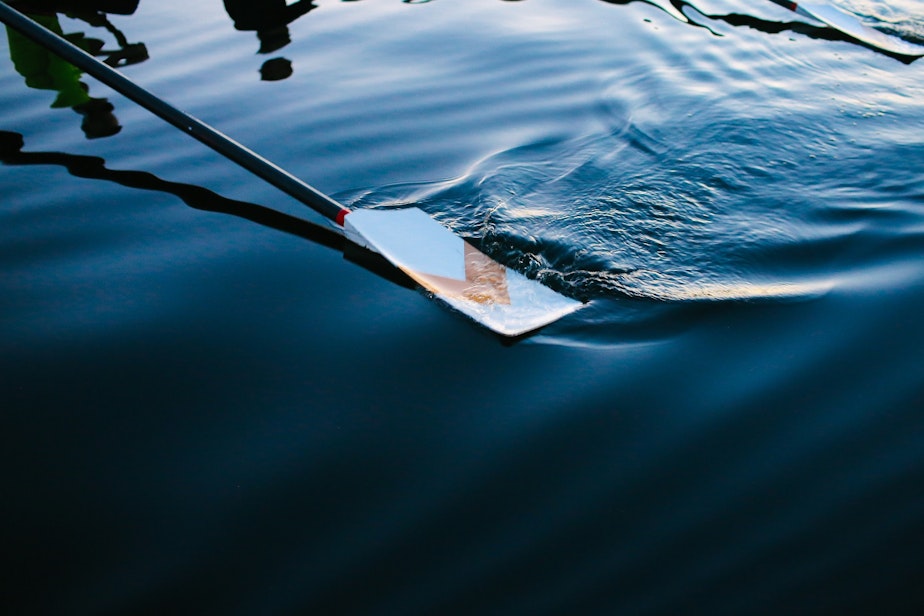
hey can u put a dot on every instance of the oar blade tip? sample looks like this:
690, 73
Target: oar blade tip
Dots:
853, 27
457, 273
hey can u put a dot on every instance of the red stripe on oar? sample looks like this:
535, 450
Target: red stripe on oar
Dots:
341, 215
793, 6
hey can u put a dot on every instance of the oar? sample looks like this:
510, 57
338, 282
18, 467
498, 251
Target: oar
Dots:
444, 264
199, 198
852, 27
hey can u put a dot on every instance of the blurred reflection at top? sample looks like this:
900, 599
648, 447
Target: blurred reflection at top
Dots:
685, 12
44, 70
270, 19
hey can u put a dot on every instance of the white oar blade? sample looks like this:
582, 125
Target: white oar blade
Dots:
850, 25
456, 272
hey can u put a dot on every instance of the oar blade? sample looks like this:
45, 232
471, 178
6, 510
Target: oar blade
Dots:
850, 25
456, 272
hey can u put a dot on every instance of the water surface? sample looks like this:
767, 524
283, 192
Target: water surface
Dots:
207, 409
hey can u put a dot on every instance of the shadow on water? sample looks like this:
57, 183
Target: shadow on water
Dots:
199, 198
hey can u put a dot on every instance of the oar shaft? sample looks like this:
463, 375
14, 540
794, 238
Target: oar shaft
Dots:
225, 146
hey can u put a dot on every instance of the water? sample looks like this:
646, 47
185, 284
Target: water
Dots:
207, 409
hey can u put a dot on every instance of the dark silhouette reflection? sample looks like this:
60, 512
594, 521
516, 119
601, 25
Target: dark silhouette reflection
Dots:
824, 33
199, 198
270, 19
687, 13
44, 70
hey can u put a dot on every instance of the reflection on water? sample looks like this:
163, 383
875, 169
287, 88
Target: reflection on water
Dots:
626, 214
560, 212
270, 20
202, 414
686, 12
44, 70
199, 198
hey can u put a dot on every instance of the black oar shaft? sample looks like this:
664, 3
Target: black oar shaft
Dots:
225, 146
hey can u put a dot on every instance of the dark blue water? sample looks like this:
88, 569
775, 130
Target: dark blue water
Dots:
206, 409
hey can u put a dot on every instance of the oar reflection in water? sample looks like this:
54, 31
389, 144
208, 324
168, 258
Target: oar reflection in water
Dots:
199, 198
824, 33
687, 13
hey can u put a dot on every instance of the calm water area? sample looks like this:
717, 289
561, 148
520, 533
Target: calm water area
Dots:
205, 408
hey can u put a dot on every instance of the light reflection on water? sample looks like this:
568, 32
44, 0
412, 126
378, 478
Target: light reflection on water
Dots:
206, 405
